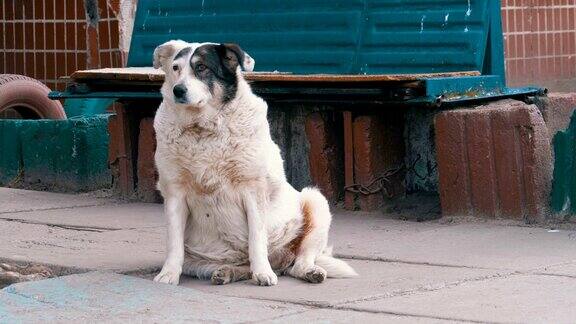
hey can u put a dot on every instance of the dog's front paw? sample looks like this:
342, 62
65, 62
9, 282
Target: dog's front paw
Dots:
265, 278
169, 274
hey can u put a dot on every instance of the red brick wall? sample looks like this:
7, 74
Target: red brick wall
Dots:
48, 39
540, 42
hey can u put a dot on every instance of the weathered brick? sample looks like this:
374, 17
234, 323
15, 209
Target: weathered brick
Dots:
378, 147
454, 188
494, 161
146, 171
509, 170
325, 157
557, 108
482, 170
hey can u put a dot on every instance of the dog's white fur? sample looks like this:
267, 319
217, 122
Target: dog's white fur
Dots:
226, 197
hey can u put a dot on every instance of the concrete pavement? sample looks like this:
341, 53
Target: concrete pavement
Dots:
435, 271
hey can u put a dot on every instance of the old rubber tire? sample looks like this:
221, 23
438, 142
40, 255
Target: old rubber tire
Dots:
28, 97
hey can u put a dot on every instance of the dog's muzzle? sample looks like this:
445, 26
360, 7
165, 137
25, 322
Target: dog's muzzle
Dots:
179, 91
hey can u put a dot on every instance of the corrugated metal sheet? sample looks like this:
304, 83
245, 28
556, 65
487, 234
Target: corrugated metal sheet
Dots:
338, 36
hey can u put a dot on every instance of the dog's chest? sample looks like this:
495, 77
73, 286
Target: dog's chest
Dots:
208, 160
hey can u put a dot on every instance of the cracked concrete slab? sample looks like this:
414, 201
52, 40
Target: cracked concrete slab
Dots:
568, 270
479, 245
376, 279
107, 297
119, 250
15, 200
512, 299
466, 271
355, 235
107, 217
345, 317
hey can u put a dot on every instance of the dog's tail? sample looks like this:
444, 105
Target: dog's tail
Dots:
334, 267
316, 204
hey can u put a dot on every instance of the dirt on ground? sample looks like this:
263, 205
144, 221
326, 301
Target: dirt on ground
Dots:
425, 207
11, 273
417, 207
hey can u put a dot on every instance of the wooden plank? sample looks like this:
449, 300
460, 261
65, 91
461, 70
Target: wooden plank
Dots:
127, 74
154, 75
351, 77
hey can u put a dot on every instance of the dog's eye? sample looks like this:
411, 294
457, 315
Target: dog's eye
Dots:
200, 67
175, 67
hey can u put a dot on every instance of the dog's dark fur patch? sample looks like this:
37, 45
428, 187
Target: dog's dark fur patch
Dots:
183, 52
217, 64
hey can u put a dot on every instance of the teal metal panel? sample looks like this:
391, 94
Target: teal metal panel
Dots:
337, 36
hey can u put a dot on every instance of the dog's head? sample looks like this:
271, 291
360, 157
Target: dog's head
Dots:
200, 74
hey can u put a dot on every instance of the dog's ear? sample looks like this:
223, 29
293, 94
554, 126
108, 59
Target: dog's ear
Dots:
249, 63
233, 56
164, 53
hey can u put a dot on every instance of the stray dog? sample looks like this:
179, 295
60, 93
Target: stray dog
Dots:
231, 213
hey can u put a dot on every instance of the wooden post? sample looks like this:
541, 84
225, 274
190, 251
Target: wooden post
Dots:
348, 160
124, 145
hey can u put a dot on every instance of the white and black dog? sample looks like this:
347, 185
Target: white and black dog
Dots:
231, 213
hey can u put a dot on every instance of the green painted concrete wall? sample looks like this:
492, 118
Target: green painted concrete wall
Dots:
56, 155
86, 107
563, 198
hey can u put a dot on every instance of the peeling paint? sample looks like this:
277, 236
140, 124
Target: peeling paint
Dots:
74, 141
91, 7
145, 18
422, 24
468, 13
126, 23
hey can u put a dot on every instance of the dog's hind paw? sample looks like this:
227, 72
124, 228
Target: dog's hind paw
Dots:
222, 276
265, 278
315, 275
169, 275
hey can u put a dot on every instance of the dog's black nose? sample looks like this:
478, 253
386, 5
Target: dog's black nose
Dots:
179, 91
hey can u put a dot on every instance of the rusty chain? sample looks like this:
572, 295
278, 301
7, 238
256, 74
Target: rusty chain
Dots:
379, 184
376, 185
